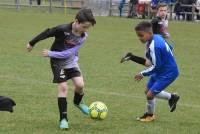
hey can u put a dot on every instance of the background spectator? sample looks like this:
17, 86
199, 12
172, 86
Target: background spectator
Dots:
39, 2
177, 10
187, 8
121, 5
132, 8
198, 9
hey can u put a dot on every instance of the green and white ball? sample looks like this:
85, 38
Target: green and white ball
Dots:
98, 110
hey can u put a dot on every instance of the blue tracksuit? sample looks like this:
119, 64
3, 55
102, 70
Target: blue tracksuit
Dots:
164, 69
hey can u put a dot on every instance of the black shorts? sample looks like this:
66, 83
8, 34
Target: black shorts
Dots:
62, 75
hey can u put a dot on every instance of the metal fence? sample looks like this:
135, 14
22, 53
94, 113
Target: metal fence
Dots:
99, 7
43, 5
192, 14
186, 15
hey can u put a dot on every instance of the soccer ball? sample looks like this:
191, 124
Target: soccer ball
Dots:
98, 110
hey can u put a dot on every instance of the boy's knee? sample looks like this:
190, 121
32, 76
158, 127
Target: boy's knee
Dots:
62, 87
150, 95
79, 87
63, 90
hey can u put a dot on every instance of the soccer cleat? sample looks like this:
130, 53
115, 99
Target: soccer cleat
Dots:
146, 118
126, 57
84, 108
173, 101
64, 124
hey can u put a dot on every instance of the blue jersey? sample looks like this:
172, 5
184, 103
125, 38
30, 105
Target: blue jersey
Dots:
154, 3
159, 52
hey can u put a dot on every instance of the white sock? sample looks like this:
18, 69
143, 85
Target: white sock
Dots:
151, 106
163, 95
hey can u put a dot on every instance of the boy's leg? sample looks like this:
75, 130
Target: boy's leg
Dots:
60, 78
157, 90
163, 95
62, 104
149, 114
150, 103
171, 97
79, 93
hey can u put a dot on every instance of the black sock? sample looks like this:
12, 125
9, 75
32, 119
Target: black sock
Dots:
62, 105
77, 98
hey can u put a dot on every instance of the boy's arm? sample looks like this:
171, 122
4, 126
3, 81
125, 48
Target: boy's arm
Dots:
148, 63
156, 62
49, 32
164, 31
29, 47
62, 54
136, 59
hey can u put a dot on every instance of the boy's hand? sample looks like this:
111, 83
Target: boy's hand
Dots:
29, 47
45, 53
138, 77
126, 57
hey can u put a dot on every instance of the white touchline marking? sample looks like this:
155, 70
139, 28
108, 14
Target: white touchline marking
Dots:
136, 96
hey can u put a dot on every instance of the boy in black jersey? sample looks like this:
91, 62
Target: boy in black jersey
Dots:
160, 22
64, 59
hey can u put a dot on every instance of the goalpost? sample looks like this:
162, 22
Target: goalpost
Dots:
99, 7
65, 7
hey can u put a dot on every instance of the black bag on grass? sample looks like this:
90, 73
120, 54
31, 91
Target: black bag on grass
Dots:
6, 104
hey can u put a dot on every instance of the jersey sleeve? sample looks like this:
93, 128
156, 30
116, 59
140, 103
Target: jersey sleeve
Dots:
68, 52
164, 29
49, 32
156, 61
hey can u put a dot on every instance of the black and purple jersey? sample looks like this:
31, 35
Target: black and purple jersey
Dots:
64, 50
160, 26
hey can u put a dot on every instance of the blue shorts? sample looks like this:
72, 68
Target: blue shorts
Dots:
157, 84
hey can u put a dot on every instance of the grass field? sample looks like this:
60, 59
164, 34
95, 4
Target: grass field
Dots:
26, 77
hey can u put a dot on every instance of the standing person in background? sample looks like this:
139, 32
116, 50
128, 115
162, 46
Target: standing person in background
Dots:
177, 10
38, 2
64, 59
121, 6
188, 8
160, 22
132, 13
198, 9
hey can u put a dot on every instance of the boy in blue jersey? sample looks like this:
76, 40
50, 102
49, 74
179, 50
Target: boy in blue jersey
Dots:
162, 69
63, 55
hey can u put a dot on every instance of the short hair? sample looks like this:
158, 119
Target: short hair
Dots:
144, 26
161, 5
85, 15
